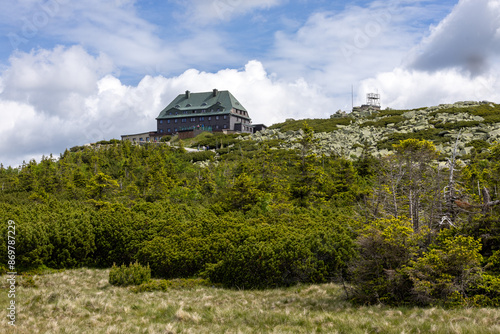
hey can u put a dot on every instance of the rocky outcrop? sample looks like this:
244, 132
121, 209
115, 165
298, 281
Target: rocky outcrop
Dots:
348, 140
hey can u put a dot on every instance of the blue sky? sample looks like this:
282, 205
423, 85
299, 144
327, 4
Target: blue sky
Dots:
77, 72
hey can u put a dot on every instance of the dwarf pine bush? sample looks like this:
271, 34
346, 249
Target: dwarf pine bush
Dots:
134, 274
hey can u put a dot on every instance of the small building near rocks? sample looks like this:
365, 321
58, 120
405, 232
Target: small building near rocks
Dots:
144, 137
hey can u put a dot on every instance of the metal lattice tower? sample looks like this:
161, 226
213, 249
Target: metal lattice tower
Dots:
373, 100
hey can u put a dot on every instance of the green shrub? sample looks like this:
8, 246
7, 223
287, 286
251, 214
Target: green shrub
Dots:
278, 256
384, 121
479, 144
219, 139
447, 273
77, 148
182, 255
165, 139
456, 125
384, 248
387, 112
109, 142
199, 156
134, 274
434, 135
318, 125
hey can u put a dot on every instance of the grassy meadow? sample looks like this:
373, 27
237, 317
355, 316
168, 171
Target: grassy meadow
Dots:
82, 301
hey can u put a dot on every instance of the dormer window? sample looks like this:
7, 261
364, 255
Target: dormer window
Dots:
177, 106
188, 105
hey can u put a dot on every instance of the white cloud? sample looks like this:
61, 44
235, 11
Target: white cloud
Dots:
47, 78
267, 98
56, 99
403, 88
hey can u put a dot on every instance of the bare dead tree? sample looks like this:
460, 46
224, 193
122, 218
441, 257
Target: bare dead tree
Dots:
487, 202
449, 191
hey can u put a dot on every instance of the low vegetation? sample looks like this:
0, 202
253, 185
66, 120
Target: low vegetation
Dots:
318, 125
83, 301
262, 233
134, 274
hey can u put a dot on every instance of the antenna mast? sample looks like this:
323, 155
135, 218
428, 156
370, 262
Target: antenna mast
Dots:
352, 98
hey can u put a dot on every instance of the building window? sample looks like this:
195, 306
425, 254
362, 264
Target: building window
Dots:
161, 121
161, 130
210, 118
225, 126
168, 121
216, 117
217, 127
193, 119
175, 130
184, 120
202, 118
225, 116
175, 121
169, 130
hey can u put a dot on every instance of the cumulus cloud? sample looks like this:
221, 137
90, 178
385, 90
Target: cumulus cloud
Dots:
338, 48
56, 99
468, 40
268, 99
404, 88
49, 78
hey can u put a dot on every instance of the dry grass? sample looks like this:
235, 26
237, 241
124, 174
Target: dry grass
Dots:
82, 301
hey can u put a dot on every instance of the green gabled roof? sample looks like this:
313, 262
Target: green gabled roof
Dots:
223, 100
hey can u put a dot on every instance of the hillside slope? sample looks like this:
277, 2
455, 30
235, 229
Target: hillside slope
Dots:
346, 135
